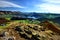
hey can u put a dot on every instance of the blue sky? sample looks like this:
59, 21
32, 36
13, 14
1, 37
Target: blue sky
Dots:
42, 6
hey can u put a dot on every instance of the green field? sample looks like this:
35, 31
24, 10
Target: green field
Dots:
19, 21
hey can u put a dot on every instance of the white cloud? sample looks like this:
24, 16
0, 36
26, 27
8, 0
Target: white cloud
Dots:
52, 1
49, 8
9, 4
52, 6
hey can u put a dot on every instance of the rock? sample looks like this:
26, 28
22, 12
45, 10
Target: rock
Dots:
17, 28
11, 39
28, 31
35, 37
35, 28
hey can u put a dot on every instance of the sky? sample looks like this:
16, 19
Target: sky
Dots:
42, 6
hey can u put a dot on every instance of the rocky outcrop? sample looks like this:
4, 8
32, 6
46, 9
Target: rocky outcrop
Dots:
51, 26
22, 31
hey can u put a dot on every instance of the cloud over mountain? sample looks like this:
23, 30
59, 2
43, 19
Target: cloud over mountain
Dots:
50, 6
9, 4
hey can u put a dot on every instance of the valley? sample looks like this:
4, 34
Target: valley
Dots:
34, 26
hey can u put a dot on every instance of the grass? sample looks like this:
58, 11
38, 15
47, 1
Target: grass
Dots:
8, 18
28, 21
22, 21
2, 27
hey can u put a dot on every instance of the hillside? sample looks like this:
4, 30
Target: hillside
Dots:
15, 25
22, 31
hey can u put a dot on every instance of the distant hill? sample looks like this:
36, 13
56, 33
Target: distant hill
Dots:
34, 15
57, 20
10, 12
